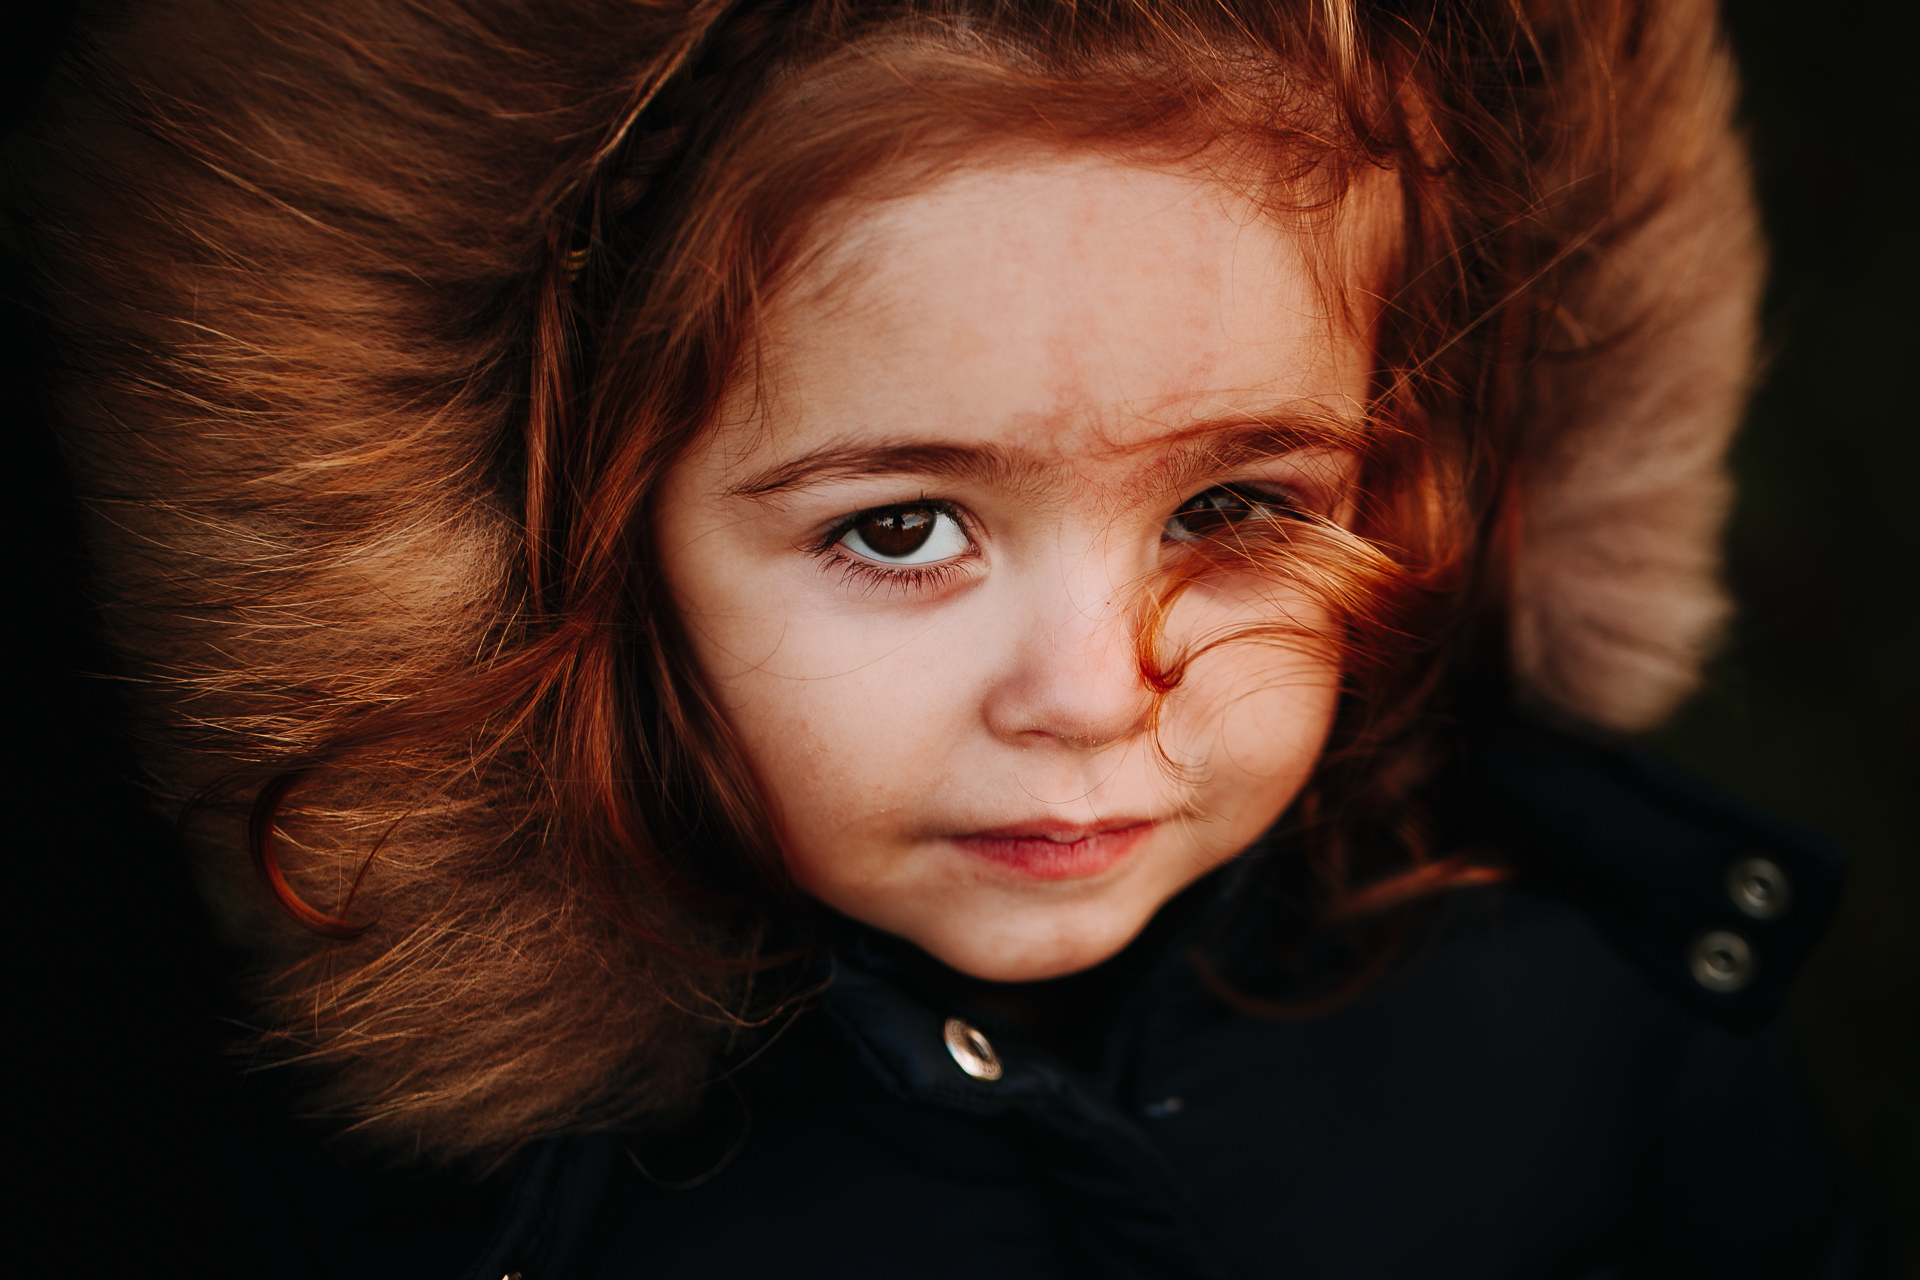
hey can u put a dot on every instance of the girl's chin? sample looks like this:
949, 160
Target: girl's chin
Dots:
1036, 961
1037, 943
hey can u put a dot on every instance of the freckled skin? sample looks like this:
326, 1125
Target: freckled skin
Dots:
1073, 314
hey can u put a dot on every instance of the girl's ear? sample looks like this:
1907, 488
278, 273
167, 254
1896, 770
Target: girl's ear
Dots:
1617, 599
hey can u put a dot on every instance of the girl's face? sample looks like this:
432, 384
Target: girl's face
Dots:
910, 559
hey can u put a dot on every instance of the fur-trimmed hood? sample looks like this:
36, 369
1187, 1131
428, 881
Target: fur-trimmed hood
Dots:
292, 254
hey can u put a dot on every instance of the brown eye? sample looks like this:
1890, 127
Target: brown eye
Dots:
905, 535
896, 533
1225, 510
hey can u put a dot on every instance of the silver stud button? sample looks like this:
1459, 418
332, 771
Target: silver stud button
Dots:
1759, 888
1722, 961
971, 1050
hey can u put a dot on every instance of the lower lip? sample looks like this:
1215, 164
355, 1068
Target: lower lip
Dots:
1038, 858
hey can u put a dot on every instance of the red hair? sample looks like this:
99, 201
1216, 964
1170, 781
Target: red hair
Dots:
523, 782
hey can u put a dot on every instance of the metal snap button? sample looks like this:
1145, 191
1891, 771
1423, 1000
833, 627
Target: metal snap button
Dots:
971, 1050
1759, 888
1722, 961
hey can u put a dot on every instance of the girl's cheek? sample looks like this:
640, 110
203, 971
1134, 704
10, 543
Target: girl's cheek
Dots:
1255, 711
844, 719
1270, 737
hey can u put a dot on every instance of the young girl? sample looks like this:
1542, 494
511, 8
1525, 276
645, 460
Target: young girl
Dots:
917, 638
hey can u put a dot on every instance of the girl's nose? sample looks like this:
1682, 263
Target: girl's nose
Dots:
1073, 675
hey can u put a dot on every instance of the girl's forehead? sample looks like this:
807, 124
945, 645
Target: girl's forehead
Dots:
1068, 305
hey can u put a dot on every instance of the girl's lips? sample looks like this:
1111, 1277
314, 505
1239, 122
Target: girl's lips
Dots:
1056, 851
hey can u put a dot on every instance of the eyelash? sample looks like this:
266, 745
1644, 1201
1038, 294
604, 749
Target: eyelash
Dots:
871, 574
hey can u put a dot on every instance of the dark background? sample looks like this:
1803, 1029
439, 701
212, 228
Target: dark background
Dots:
1812, 713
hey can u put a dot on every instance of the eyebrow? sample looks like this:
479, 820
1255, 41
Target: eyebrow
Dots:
1211, 448
1202, 449
977, 463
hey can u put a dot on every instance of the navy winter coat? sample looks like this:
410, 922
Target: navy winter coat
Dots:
1562, 1078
